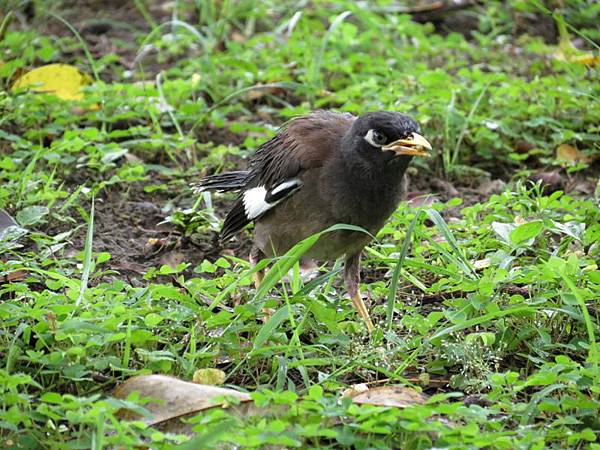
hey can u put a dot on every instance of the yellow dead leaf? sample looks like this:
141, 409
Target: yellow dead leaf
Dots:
4, 23
62, 80
567, 51
210, 377
568, 153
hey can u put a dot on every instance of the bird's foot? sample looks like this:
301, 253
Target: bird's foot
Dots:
360, 306
258, 277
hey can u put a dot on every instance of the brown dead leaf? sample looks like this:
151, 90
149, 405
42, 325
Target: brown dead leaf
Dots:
172, 259
175, 398
396, 396
6, 220
568, 153
446, 187
550, 181
522, 146
9, 277
238, 37
490, 187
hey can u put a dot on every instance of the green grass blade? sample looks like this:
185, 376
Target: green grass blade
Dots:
83, 44
271, 325
315, 73
449, 237
287, 261
5, 23
233, 286
481, 319
284, 264
87, 256
313, 284
589, 325
468, 120
391, 301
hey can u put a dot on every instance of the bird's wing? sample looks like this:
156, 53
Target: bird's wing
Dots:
303, 143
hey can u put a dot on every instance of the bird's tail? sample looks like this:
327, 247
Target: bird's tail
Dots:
224, 182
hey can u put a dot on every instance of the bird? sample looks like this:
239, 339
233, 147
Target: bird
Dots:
319, 170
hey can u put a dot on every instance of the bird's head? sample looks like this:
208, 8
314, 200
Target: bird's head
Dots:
383, 136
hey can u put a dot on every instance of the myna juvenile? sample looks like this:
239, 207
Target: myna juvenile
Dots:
319, 170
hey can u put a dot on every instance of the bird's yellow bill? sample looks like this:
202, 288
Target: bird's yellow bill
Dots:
416, 145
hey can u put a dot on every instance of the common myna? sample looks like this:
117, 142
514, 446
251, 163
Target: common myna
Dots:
320, 170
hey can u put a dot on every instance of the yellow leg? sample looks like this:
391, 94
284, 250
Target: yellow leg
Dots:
352, 279
258, 277
360, 306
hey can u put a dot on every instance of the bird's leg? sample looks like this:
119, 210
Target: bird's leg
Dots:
352, 279
255, 256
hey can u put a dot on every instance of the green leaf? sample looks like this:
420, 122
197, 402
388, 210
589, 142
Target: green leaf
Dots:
525, 232
271, 325
31, 215
503, 230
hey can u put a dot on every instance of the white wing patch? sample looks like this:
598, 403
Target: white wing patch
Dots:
285, 185
254, 202
255, 199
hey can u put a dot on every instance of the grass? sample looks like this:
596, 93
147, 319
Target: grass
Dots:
487, 303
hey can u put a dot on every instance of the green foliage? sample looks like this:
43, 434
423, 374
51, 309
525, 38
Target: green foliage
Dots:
514, 280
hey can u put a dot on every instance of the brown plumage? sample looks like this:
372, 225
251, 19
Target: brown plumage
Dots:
319, 170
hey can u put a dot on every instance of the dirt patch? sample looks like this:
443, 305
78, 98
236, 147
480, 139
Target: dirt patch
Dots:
132, 228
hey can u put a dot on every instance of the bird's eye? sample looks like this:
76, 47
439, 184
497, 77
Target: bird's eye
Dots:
375, 138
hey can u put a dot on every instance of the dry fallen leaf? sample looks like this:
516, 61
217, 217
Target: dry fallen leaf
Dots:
417, 199
261, 90
397, 396
570, 154
172, 259
10, 277
550, 181
355, 390
62, 80
172, 399
176, 397
6, 220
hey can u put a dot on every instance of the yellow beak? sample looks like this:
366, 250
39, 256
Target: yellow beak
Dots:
416, 145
